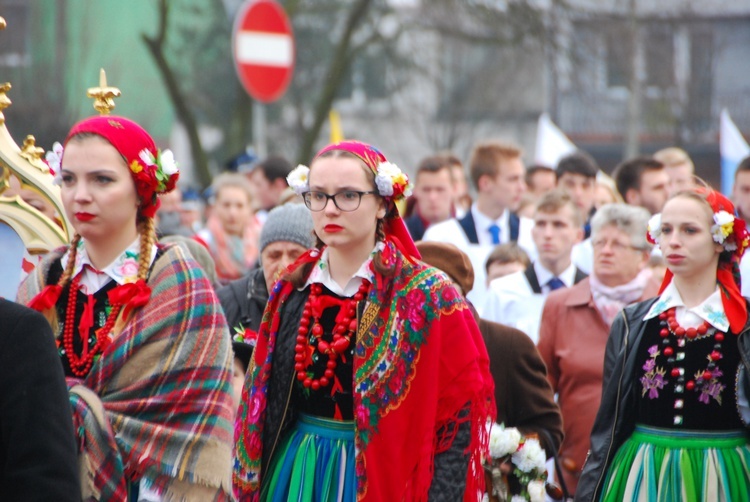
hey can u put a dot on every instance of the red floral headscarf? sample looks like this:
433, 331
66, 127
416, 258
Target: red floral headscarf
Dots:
394, 227
731, 232
153, 171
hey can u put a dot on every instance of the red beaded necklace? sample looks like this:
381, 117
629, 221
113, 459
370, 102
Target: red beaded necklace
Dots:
310, 334
80, 365
670, 326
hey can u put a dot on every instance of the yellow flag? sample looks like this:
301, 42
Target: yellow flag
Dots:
335, 122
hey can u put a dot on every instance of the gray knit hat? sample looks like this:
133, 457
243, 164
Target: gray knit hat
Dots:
290, 222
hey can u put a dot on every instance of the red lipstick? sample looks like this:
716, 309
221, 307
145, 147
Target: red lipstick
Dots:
84, 216
332, 229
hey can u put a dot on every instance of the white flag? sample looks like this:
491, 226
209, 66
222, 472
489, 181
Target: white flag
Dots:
733, 148
551, 143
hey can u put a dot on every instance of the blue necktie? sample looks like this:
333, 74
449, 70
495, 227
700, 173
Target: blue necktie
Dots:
555, 283
495, 233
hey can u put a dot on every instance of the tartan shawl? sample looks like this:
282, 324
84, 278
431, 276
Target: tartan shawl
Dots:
157, 403
420, 368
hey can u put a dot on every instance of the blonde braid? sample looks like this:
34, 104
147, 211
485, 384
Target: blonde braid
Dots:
148, 240
68, 272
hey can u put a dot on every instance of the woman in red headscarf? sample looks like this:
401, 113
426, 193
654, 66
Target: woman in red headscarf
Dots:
139, 330
673, 418
370, 380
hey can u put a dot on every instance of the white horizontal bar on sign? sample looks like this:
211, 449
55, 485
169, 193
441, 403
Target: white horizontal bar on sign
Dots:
263, 48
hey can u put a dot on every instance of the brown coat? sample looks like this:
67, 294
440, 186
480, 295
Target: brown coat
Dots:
572, 339
523, 396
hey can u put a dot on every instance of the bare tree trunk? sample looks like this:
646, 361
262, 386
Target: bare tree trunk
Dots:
184, 114
635, 86
336, 70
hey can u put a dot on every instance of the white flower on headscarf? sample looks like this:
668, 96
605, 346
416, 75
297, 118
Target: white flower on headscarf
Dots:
147, 157
391, 181
654, 227
54, 158
530, 457
723, 226
299, 179
167, 162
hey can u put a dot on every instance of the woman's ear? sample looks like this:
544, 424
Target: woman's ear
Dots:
382, 209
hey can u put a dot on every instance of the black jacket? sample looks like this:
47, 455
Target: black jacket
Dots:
615, 420
244, 300
38, 456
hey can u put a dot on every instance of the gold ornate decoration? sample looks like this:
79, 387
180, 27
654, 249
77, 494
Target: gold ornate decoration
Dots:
2, 23
31, 152
39, 232
103, 95
5, 101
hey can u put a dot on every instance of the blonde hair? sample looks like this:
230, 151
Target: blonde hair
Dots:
673, 156
487, 158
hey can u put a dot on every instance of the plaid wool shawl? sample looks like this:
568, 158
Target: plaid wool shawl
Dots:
157, 404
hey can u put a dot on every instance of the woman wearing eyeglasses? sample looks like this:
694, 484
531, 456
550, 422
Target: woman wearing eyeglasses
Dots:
370, 380
672, 425
576, 321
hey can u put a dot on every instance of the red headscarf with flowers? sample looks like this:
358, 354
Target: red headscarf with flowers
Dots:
153, 171
392, 185
731, 232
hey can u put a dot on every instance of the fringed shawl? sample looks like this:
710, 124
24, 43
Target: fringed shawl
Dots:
419, 361
157, 403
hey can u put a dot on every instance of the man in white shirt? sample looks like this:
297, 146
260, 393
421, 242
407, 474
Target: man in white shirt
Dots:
497, 173
517, 299
741, 200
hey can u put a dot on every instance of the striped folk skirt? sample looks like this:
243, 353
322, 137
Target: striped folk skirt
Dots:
665, 465
315, 463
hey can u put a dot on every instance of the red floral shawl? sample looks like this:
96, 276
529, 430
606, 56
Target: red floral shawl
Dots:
419, 360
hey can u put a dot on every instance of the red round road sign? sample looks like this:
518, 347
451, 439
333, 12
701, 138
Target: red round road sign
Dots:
263, 47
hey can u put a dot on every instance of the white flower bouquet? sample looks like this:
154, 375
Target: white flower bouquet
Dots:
517, 464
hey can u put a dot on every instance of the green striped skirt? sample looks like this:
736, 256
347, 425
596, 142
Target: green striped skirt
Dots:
666, 465
314, 463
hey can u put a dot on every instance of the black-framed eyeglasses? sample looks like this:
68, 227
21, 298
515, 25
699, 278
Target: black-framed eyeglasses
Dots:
346, 200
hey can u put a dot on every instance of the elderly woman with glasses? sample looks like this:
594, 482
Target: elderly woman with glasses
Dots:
369, 380
575, 324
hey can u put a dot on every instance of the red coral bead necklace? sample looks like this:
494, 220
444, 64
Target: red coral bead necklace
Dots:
81, 365
311, 330
670, 326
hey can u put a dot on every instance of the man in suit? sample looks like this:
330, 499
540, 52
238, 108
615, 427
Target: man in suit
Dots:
497, 173
517, 299
433, 193
523, 396
38, 456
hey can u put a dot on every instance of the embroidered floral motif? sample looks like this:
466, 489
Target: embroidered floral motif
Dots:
711, 389
660, 306
716, 317
653, 379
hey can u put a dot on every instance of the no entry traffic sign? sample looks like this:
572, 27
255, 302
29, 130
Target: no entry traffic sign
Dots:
263, 47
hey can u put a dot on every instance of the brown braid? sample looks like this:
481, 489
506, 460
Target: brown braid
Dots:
68, 272
148, 240
377, 262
